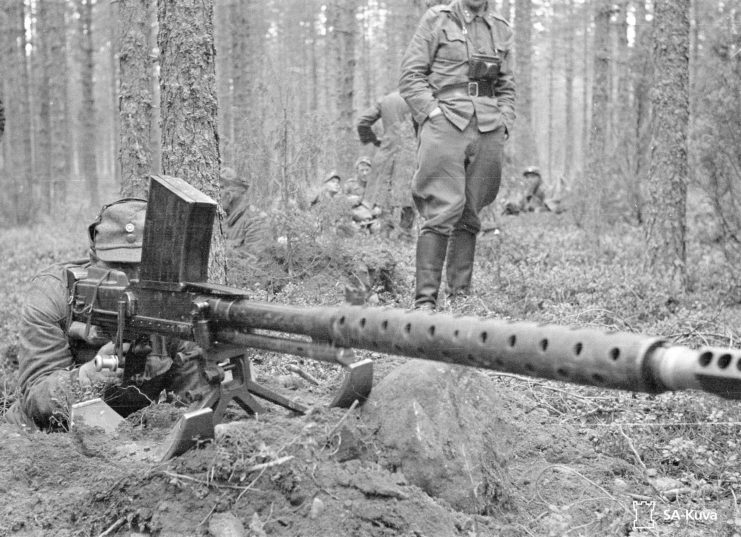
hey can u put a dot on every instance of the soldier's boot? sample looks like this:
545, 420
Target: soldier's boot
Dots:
459, 266
431, 249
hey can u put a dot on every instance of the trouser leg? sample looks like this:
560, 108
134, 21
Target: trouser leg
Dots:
431, 249
459, 262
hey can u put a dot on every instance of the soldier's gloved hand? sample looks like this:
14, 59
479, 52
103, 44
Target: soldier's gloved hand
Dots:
89, 375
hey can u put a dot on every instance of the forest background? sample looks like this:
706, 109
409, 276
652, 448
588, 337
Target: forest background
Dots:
627, 103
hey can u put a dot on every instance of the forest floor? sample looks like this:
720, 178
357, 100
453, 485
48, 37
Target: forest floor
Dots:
569, 460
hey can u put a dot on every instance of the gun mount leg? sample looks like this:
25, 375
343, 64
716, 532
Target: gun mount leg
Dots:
241, 388
356, 385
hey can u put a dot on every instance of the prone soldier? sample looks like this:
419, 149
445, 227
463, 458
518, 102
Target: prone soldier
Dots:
57, 357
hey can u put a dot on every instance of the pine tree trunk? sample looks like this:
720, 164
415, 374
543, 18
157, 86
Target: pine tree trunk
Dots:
190, 140
223, 41
665, 225
585, 118
44, 134
88, 119
641, 67
569, 92
58, 109
526, 151
597, 156
344, 53
113, 57
135, 96
17, 152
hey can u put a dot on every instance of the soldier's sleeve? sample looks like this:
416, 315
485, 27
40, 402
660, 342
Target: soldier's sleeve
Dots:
45, 374
365, 125
505, 85
415, 66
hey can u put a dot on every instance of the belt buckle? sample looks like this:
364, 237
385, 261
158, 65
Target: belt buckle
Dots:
473, 89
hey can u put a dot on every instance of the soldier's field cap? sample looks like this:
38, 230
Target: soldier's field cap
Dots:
116, 235
363, 160
332, 175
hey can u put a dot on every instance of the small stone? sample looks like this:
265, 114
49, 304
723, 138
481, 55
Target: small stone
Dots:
225, 525
317, 507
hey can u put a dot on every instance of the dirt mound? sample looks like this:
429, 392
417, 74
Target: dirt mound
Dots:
436, 452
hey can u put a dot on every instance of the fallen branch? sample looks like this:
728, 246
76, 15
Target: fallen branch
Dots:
117, 524
303, 374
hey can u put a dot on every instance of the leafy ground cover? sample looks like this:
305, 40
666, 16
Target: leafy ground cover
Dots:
677, 454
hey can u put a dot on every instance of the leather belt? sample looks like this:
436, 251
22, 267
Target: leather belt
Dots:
484, 88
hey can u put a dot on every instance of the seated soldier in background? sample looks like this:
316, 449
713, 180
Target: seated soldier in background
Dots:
532, 198
57, 357
331, 186
534, 190
355, 186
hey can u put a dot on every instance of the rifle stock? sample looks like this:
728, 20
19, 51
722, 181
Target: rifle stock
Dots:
172, 298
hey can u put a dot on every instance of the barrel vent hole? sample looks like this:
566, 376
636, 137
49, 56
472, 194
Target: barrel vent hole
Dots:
431, 331
706, 358
512, 340
456, 334
342, 320
384, 325
599, 379
614, 354
408, 328
562, 372
724, 361
578, 348
362, 322
483, 336
544, 345
738, 364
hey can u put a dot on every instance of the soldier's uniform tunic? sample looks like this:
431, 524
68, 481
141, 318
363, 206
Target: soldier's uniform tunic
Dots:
460, 151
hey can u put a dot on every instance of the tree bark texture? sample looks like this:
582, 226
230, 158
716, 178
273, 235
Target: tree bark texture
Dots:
190, 140
135, 96
665, 225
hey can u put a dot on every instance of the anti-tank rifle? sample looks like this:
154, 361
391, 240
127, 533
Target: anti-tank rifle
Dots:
171, 298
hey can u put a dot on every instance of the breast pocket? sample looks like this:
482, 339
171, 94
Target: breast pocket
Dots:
452, 46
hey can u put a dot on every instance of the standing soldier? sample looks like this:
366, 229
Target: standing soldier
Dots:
457, 79
393, 164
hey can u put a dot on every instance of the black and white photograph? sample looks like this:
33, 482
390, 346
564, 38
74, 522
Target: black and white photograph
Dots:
370, 268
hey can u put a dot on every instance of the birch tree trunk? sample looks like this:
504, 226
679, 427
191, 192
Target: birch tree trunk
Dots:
190, 140
665, 225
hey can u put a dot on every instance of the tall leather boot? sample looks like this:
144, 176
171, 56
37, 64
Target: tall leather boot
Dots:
431, 249
459, 266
